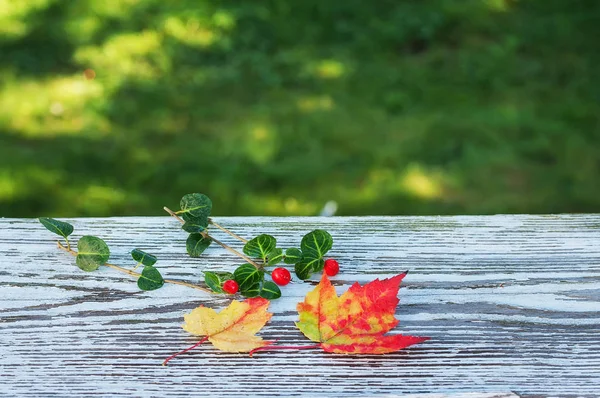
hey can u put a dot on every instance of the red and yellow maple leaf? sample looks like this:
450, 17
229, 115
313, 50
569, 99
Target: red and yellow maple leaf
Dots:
356, 322
233, 329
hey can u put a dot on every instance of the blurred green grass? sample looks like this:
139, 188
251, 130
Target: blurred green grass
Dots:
275, 107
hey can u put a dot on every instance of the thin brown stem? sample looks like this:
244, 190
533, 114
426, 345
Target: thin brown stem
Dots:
218, 242
182, 283
136, 274
184, 351
231, 249
67, 249
211, 221
171, 212
123, 270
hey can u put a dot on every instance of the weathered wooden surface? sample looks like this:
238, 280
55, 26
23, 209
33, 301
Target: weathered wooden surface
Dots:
512, 304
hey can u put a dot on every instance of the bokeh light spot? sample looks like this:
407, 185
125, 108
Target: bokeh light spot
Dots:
89, 74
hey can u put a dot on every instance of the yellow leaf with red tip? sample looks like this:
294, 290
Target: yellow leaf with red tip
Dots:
234, 328
356, 322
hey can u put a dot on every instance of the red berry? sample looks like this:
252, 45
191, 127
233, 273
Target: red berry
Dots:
281, 276
230, 286
331, 267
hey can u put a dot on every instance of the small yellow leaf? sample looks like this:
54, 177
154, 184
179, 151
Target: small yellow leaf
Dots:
234, 328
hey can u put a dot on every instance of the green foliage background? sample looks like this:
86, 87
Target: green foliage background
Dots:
274, 107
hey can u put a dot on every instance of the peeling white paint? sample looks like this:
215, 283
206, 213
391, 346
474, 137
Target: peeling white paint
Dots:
512, 304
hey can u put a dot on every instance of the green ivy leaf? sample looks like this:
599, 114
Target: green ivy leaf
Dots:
61, 228
270, 291
194, 222
92, 252
196, 244
303, 270
215, 280
260, 246
292, 256
142, 257
194, 225
150, 279
275, 257
247, 276
195, 206
316, 243
317, 264
306, 267
252, 290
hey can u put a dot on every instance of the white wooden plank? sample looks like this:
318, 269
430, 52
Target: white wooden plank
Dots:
511, 304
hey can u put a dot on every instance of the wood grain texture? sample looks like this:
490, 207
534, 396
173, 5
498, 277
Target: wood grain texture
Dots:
512, 304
